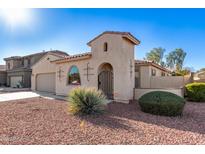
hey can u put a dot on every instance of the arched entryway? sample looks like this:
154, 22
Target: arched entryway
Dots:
105, 79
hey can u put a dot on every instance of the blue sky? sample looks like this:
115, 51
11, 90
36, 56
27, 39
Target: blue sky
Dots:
70, 29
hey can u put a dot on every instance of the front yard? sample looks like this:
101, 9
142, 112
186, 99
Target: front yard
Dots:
43, 121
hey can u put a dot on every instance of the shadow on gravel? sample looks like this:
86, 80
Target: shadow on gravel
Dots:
192, 120
108, 120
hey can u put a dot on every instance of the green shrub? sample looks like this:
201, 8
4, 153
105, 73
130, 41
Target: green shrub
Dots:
86, 101
162, 103
196, 92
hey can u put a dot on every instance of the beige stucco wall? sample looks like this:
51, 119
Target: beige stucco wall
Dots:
167, 82
158, 81
120, 55
141, 92
44, 65
62, 86
145, 74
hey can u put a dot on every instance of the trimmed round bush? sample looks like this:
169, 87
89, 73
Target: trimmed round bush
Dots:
196, 92
86, 101
162, 103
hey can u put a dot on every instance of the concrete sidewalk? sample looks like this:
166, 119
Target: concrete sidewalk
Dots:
29, 94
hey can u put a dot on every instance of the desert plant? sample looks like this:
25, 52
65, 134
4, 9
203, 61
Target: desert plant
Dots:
162, 103
196, 92
86, 101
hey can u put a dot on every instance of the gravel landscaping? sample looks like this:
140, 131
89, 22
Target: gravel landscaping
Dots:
43, 121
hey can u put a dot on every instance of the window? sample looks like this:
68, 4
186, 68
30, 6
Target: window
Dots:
105, 47
137, 82
163, 74
74, 76
29, 62
8, 66
153, 72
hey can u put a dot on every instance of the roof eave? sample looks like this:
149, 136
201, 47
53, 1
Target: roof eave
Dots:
133, 40
60, 61
154, 65
129, 36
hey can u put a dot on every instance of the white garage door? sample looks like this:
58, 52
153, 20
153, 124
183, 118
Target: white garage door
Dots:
46, 82
15, 80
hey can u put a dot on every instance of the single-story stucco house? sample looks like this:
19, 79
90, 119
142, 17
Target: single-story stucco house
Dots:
110, 66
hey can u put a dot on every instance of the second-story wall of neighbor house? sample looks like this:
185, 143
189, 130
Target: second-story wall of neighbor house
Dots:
36, 58
9, 64
28, 61
13, 63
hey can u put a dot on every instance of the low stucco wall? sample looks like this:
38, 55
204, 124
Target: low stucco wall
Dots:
140, 92
169, 81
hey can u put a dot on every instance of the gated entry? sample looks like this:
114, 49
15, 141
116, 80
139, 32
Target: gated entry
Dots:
105, 83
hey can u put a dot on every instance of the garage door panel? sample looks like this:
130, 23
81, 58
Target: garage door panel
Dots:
15, 80
46, 82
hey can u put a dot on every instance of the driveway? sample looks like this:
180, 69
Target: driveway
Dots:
28, 94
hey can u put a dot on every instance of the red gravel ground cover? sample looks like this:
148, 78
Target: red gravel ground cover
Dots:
43, 121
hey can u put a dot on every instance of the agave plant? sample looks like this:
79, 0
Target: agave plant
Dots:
86, 101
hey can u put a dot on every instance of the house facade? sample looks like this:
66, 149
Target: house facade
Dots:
110, 67
19, 70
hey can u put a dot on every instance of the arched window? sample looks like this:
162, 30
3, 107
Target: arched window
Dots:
74, 76
105, 47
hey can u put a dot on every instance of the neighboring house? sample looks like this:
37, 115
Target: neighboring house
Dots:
109, 67
199, 76
2, 75
144, 70
19, 68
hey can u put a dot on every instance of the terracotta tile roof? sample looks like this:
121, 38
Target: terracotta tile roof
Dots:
2, 67
74, 57
151, 63
124, 34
